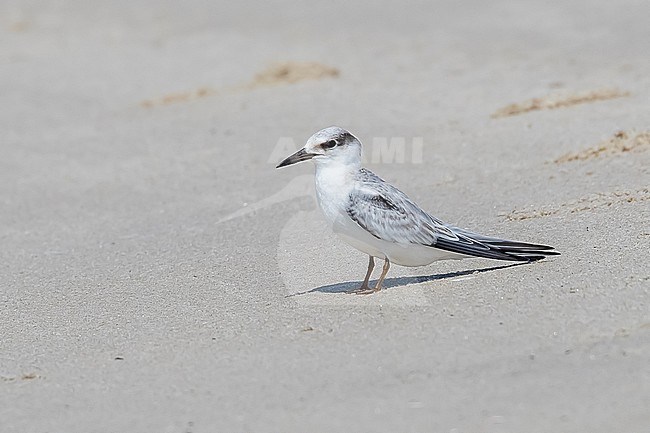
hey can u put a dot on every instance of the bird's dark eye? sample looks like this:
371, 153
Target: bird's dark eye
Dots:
329, 144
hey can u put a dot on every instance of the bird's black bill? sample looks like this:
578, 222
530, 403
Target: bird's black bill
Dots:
301, 155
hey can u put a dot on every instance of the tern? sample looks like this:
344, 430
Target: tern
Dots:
378, 219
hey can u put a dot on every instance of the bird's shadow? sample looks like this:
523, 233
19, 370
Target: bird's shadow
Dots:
390, 283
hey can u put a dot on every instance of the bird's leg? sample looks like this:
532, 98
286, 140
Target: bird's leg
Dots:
371, 267
383, 274
379, 281
364, 287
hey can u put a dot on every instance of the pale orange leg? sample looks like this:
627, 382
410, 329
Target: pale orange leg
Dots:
379, 281
364, 287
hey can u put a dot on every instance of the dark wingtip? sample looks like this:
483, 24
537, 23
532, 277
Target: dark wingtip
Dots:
535, 258
543, 255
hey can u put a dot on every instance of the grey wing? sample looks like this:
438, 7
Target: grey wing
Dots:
388, 214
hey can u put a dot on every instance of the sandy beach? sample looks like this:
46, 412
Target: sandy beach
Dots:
158, 274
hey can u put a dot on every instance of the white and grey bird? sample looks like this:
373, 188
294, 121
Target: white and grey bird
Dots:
380, 220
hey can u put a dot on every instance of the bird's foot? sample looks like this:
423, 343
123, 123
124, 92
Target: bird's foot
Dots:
365, 290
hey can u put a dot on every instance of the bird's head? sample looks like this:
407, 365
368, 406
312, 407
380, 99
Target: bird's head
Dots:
331, 145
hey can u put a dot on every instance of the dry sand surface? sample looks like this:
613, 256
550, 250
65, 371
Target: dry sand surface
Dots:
157, 274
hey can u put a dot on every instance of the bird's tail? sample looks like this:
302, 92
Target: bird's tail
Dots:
522, 251
473, 244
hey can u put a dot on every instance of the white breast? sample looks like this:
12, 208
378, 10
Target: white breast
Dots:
333, 186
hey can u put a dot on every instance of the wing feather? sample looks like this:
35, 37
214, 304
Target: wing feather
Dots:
388, 214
